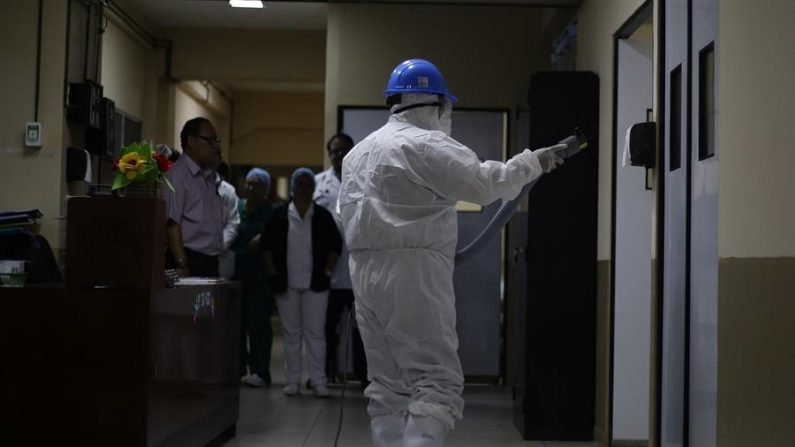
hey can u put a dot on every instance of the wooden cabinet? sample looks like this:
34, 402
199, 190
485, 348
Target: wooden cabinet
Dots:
114, 358
115, 242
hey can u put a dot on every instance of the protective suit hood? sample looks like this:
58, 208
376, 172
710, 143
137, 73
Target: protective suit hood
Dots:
426, 111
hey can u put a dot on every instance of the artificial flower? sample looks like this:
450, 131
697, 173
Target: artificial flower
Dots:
139, 163
132, 165
163, 163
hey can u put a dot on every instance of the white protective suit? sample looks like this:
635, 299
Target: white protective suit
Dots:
399, 188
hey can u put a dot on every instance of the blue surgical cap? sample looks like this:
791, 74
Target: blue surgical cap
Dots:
262, 175
297, 173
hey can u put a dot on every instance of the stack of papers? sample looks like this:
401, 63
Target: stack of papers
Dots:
16, 222
198, 280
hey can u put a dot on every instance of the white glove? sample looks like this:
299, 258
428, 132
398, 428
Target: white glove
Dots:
549, 157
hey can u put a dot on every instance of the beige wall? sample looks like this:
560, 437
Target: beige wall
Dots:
602, 388
278, 129
756, 344
273, 57
756, 352
280, 76
32, 178
757, 208
192, 100
124, 60
133, 75
486, 54
18, 48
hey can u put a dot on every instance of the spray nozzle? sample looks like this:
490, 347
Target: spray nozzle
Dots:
575, 142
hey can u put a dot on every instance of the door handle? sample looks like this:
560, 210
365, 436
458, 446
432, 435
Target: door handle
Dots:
516, 253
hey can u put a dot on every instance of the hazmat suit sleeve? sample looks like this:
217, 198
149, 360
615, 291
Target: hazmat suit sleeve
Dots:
454, 171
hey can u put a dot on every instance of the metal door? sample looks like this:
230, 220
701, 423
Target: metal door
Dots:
703, 303
689, 325
675, 228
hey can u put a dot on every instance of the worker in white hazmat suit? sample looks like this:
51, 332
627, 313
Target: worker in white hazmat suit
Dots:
399, 188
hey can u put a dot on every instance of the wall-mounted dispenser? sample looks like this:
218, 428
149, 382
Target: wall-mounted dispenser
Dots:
641, 140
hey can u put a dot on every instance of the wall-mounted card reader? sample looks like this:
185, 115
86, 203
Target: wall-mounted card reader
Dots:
33, 135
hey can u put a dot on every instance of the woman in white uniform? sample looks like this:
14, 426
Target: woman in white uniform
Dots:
301, 245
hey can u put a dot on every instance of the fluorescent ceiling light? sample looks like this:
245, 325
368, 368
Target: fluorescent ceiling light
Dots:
246, 4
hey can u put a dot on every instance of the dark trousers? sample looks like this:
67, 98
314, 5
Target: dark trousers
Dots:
256, 310
339, 299
199, 264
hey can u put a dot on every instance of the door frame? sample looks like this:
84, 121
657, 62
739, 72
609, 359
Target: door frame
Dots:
658, 249
635, 20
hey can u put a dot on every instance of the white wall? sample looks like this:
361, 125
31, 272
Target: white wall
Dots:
633, 250
597, 21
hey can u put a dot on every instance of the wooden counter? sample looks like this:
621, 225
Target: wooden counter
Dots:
119, 367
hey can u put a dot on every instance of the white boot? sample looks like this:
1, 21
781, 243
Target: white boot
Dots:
388, 430
424, 431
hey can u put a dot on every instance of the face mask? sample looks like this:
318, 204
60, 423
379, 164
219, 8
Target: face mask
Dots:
446, 116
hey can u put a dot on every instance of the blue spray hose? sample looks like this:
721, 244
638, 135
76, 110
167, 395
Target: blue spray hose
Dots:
574, 144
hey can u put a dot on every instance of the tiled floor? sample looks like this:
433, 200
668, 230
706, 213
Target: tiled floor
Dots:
268, 418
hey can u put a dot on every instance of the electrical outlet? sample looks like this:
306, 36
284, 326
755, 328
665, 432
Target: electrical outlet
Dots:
33, 135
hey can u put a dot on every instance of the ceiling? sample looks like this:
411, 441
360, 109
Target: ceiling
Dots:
297, 14
218, 14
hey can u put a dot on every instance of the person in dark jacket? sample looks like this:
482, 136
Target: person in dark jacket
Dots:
301, 245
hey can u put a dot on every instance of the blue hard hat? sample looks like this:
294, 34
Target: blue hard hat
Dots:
417, 76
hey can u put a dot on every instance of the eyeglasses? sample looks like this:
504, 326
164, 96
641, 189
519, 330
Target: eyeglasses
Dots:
210, 139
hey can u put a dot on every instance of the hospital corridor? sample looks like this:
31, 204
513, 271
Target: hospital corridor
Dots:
267, 417
397, 223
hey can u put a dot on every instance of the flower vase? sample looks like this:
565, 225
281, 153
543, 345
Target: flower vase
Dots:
144, 190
